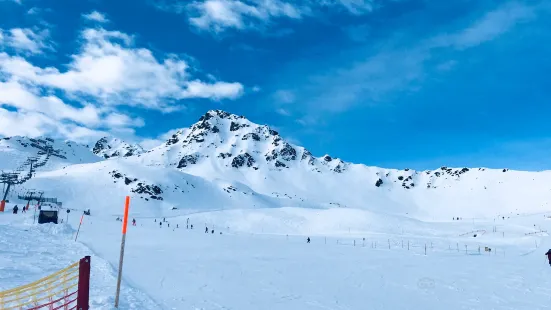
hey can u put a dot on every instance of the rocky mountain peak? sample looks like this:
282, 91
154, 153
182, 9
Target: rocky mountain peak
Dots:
112, 147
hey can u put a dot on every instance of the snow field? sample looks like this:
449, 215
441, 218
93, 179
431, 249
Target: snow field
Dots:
29, 252
188, 269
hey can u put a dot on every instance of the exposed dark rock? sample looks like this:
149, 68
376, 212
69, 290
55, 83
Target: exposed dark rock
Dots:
379, 183
224, 155
242, 160
327, 158
279, 164
251, 135
288, 152
187, 160
236, 126
400, 178
273, 132
215, 129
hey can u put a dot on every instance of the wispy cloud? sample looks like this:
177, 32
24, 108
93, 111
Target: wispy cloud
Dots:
96, 16
220, 15
396, 67
217, 15
26, 40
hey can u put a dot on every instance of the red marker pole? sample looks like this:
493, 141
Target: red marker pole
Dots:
123, 241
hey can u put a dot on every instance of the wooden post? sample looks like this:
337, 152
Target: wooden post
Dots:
83, 295
123, 241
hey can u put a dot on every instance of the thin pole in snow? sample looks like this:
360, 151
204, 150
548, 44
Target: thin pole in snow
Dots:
123, 241
76, 236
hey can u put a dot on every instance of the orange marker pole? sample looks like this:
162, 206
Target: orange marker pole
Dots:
123, 241
79, 226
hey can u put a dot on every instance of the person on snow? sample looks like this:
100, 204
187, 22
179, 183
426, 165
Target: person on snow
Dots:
15, 209
308, 240
133, 222
191, 226
206, 230
160, 224
549, 256
213, 231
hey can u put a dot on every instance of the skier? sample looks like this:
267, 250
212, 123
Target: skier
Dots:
168, 224
213, 231
24, 209
15, 209
160, 224
176, 225
549, 256
191, 226
308, 240
206, 230
164, 219
133, 222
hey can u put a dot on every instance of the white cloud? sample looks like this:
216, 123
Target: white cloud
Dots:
26, 40
106, 72
113, 71
489, 27
284, 96
96, 16
283, 112
217, 15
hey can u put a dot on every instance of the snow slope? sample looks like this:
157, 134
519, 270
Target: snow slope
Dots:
30, 252
53, 154
242, 268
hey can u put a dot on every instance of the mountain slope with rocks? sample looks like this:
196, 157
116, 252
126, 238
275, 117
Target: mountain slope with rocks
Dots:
231, 162
113, 147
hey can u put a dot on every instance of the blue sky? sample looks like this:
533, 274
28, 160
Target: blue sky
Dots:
393, 83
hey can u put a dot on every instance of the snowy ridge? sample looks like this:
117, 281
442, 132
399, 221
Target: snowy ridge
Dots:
14, 151
113, 147
225, 161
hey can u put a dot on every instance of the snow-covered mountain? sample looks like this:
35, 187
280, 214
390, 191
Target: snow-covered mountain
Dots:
225, 161
50, 154
113, 147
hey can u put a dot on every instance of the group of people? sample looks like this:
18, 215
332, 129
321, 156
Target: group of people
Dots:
16, 208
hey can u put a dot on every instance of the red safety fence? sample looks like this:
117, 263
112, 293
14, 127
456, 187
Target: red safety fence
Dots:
66, 289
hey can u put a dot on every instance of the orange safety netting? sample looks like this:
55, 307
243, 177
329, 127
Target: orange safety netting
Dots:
56, 291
